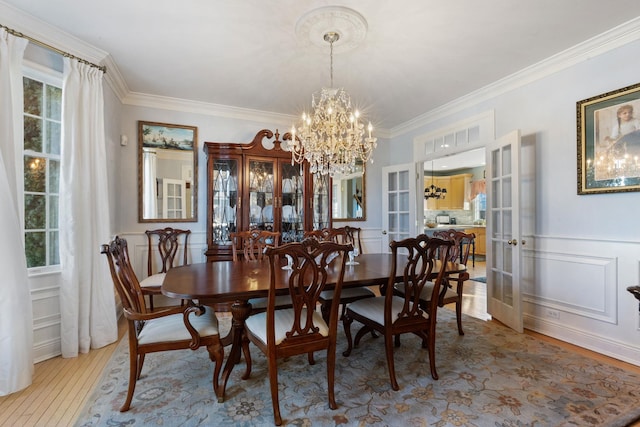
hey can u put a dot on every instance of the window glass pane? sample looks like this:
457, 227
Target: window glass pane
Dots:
53, 211
54, 176
33, 134
35, 249
403, 180
54, 103
54, 244
34, 174
392, 178
53, 138
32, 97
35, 213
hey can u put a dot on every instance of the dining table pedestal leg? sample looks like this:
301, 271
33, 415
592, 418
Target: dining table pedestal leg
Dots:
240, 310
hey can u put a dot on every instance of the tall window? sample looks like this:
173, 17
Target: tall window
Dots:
42, 124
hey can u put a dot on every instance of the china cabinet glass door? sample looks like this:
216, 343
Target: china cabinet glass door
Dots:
321, 201
261, 195
292, 206
225, 199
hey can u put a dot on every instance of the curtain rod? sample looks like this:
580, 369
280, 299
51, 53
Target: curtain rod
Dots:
54, 49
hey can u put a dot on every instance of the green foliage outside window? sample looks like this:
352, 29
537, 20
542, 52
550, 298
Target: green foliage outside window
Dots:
42, 116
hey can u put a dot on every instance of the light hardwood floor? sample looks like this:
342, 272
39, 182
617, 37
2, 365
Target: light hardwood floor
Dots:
61, 387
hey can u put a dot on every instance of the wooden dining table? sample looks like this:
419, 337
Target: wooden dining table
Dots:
237, 282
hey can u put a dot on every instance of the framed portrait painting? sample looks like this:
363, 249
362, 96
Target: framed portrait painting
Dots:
609, 142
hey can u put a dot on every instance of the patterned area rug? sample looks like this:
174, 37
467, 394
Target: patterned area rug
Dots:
491, 376
479, 279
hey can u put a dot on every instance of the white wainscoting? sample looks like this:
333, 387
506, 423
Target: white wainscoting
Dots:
578, 294
46, 320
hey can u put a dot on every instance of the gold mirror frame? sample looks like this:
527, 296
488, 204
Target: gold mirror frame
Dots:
349, 196
167, 172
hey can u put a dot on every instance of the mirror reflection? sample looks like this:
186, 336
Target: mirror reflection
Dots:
348, 196
167, 170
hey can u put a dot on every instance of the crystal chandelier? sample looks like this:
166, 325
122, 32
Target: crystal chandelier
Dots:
432, 191
332, 136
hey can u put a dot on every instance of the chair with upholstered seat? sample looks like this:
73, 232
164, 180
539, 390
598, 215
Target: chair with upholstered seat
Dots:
344, 235
415, 260
301, 329
462, 243
167, 242
175, 328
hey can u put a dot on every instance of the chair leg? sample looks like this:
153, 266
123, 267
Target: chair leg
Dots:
133, 376
388, 345
140, 364
346, 323
273, 383
312, 361
331, 370
151, 302
459, 316
431, 346
325, 309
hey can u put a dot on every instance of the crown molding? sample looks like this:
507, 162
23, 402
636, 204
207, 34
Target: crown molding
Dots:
114, 78
609, 40
199, 107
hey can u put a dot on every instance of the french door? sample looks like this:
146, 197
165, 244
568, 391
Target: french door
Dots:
398, 203
510, 225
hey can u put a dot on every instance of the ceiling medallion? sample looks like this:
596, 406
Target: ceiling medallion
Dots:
350, 26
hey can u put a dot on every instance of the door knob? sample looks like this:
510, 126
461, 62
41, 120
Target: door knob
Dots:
384, 232
513, 242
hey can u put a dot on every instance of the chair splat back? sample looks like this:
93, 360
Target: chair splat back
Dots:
168, 244
462, 243
124, 278
253, 243
420, 268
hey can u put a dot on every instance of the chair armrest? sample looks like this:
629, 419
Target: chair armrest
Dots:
130, 315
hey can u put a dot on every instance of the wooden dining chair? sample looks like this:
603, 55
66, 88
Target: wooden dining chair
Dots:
174, 328
459, 252
392, 314
251, 245
167, 241
344, 235
300, 329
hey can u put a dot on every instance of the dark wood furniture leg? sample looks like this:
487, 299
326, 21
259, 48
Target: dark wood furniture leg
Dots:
240, 310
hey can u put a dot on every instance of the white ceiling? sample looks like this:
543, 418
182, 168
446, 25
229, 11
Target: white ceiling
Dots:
417, 55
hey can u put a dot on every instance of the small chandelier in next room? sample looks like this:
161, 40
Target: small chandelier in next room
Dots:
331, 137
433, 191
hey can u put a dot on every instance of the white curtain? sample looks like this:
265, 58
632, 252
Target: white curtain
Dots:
149, 197
16, 318
86, 296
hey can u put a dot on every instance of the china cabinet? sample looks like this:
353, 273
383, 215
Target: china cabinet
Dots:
255, 186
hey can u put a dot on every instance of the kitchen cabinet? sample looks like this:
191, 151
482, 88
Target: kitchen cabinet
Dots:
250, 186
481, 239
457, 187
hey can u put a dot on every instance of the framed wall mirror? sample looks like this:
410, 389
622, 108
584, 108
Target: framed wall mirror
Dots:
348, 196
167, 172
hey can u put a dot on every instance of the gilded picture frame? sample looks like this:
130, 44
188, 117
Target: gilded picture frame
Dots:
167, 172
609, 142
